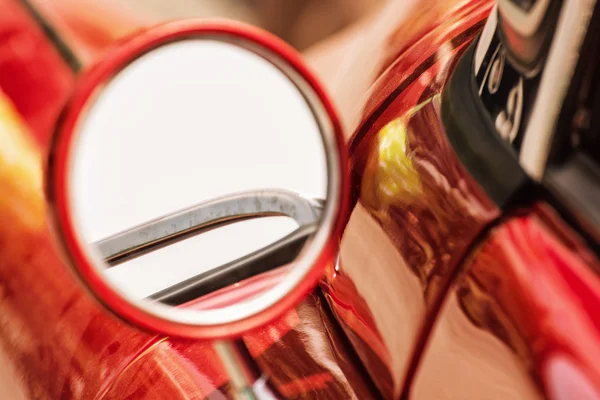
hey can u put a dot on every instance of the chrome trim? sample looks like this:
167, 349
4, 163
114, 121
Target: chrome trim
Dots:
192, 221
304, 264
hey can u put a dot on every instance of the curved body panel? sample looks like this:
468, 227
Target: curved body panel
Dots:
522, 319
402, 313
417, 210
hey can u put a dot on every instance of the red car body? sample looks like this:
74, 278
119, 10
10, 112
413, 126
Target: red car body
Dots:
439, 293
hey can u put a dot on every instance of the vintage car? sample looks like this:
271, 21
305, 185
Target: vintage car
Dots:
468, 247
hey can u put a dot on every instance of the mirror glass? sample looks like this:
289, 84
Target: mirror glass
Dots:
199, 169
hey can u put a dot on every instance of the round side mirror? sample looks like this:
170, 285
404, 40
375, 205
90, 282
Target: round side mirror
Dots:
197, 179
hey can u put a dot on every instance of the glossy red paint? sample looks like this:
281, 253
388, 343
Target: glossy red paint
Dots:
523, 319
442, 27
37, 92
63, 345
90, 27
58, 173
180, 369
518, 320
417, 210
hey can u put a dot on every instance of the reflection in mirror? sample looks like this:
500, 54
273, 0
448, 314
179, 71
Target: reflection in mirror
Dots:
197, 168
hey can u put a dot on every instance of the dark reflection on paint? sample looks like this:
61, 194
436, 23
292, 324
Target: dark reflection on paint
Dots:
416, 212
302, 353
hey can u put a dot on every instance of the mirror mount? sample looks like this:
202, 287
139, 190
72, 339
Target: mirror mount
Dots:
246, 381
307, 250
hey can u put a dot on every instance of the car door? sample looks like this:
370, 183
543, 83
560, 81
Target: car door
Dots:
522, 318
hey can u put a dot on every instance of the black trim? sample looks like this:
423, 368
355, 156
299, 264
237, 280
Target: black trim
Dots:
57, 42
351, 354
489, 159
269, 258
367, 124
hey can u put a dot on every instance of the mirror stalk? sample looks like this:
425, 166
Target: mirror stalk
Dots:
246, 382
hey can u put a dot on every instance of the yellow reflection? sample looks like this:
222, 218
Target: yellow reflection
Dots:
394, 177
20, 171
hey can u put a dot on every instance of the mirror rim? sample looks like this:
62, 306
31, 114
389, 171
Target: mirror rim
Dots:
57, 175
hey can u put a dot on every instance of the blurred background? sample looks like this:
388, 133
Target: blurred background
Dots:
301, 23
341, 40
